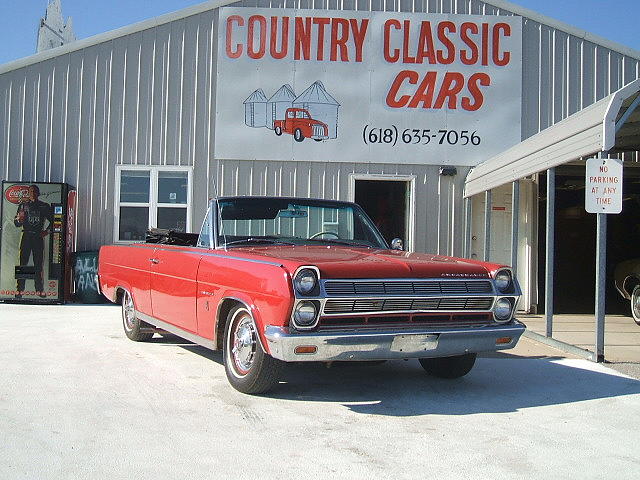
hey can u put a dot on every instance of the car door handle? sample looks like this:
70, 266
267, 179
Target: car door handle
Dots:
154, 261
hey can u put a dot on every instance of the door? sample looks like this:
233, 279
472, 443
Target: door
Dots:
388, 203
174, 287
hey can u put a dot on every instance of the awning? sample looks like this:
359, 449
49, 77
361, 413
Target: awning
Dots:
583, 134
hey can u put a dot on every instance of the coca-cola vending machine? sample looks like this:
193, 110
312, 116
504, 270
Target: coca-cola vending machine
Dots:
37, 240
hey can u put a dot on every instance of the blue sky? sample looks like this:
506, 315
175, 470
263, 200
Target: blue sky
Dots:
612, 19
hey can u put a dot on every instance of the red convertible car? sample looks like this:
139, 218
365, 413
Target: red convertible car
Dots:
276, 280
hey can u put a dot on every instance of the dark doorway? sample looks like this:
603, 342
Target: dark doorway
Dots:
385, 201
575, 242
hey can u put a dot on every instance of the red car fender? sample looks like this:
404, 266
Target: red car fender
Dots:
248, 302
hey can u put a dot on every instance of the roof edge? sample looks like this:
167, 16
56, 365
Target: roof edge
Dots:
213, 4
113, 34
565, 27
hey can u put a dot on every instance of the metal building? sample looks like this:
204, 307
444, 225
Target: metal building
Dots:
143, 109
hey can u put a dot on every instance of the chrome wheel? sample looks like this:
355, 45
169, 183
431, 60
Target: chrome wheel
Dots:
635, 304
248, 367
134, 328
128, 311
243, 342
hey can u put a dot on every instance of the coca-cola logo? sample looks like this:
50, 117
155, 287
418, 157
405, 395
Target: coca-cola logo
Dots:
17, 194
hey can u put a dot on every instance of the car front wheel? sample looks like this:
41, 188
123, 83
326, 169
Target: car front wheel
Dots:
635, 304
133, 326
449, 367
249, 369
298, 136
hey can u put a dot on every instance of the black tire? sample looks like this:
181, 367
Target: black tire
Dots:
278, 131
449, 367
318, 139
133, 326
297, 135
635, 304
249, 370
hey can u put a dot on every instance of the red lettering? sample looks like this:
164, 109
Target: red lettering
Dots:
321, 22
424, 93
412, 78
238, 51
359, 34
339, 41
406, 58
485, 44
478, 99
506, 29
425, 44
465, 28
251, 33
388, 56
451, 85
442, 36
284, 39
302, 38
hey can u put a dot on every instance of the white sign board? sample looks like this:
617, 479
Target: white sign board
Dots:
438, 89
603, 185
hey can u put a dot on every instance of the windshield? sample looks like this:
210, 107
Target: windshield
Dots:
244, 221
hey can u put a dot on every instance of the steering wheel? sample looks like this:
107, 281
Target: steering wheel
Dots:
316, 235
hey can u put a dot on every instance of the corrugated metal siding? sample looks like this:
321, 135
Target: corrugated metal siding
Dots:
148, 98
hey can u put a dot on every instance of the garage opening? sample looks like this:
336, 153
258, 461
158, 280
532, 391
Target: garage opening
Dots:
575, 241
387, 204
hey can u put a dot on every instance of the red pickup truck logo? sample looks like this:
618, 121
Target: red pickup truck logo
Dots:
298, 122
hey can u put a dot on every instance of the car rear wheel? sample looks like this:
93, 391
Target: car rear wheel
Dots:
249, 369
133, 326
298, 136
449, 367
635, 304
278, 131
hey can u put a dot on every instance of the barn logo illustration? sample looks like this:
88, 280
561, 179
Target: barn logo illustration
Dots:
312, 114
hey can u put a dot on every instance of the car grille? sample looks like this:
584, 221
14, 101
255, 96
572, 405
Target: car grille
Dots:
318, 131
355, 305
335, 288
407, 322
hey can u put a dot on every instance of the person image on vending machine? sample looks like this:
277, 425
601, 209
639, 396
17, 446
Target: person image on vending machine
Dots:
31, 216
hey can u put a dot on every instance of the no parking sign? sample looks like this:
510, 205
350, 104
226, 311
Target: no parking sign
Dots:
603, 185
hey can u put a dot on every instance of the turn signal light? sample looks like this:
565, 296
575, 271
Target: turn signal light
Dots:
306, 349
503, 340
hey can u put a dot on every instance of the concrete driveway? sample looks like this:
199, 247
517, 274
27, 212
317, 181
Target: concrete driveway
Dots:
80, 401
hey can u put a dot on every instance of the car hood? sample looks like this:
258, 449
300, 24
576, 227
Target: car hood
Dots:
348, 262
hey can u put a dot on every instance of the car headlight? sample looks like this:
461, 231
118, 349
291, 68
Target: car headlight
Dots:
504, 282
305, 314
305, 281
502, 309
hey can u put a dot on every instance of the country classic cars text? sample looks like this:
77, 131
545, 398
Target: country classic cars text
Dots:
470, 50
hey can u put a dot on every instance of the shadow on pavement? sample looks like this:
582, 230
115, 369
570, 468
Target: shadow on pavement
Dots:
498, 383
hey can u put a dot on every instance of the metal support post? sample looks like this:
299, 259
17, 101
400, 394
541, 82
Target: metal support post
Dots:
467, 227
515, 217
550, 250
487, 225
601, 274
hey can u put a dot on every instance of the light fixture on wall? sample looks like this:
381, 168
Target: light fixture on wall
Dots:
448, 171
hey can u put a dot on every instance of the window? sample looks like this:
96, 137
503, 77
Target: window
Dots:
151, 197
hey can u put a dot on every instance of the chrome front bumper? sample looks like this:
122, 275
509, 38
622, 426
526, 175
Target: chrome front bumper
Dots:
387, 345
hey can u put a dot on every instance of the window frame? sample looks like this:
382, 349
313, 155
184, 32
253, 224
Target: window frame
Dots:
153, 205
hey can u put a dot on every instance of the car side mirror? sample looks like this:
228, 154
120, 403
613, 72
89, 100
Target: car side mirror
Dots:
396, 244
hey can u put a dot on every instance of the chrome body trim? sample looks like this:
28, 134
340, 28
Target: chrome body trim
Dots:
366, 344
192, 337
